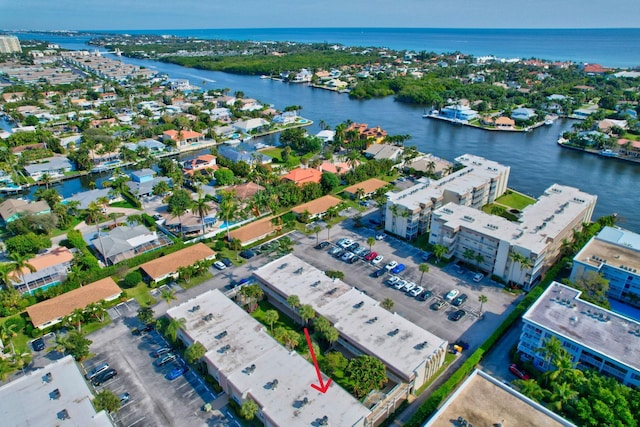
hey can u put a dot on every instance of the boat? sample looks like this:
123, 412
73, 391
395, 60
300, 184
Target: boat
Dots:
608, 153
10, 188
264, 76
548, 122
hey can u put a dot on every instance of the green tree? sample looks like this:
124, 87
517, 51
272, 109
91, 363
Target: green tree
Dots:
201, 207
594, 287
194, 352
366, 373
229, 210
75, 344
371, 241
439, 251
250, 296
293, 301
316, 229
106, 400
224, 176
248, 409
271, 317
482, 299
387, 304
132, 279
331, 335
468, 254
531, 389
145, 315
333, 362
329, 182
306, 312
178, 204
424, 268
20, 264
160, 188
168, 295
173, 327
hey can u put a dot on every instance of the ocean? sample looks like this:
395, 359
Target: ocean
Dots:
618, 48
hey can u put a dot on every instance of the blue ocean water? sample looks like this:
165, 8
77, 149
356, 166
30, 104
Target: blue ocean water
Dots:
608, 47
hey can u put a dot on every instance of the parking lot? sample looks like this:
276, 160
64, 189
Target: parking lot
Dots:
154, 400
471, 328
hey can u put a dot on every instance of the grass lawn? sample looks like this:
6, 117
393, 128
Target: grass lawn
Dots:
87, 328
507, 215
448, 358
195, 281
123, 204
515, 200
141, 294
56, 231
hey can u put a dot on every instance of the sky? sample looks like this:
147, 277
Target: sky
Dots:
205, 14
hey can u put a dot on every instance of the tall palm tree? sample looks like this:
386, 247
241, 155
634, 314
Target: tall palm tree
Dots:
168, 296
482, 299
424, 268
201, 207
229, 210
371, 241
317, 229
94, 213
329, 226
45, 178
173, 327
20, 264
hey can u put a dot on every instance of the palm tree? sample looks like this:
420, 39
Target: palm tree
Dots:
173, 327
271, 317
551, 349
482, 299
45, 178
317, 229
19, 265
424, 268
439, 251
387, 304
359, 194
514, 257
293, 301
468, 254
306, 313
328, 231
93, 214
479, 259
228, 210
168, 295
76, 318
561, 394
201, 207
531, 389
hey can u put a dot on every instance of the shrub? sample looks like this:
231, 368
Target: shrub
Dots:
132, 279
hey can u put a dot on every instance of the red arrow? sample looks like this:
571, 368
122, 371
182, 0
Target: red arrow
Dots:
322, 388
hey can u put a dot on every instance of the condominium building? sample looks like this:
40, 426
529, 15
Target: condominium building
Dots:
492, 242
411, 354
594, 337
9, 44
480, 181
250, 364
615, 254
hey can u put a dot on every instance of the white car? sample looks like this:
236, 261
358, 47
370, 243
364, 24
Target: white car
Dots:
400, 284
346, 243
416, 291
478, 277
409, 286
219, 265
377, 260
392, 280
347, 256
391, 265
452, 294
380, 236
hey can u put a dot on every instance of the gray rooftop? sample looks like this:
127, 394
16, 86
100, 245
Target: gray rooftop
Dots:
123, 239
86, 197
560, 310
340, 304
49, 164
31, 401
250, 345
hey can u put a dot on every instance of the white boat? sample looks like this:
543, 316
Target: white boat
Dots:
608, 153
232, 142
264, 77
548, 122
10, 188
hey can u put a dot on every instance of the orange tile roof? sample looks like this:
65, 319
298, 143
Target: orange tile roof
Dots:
54, 257
254, 230
183, 258
369, 186
333, 167
317, 206
302, 176
246, 191
634, 144
186, 134
505, 121
63, 305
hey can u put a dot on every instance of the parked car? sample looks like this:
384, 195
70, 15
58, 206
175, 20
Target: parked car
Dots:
392, 280
359, 251
353, 260
438, 305
340, 253
167, 358
322, 245
160, 352
379, 272
219, 265
478, 277
345, 243
124, 398
458, 315
425, 295
370, 256
452, 294
400, 284
144, 330
38, 344
247, 254
342, 241
97, 370
380, 236
377, 260
103, 377
334, 250
518, 372
227, 262
364, 253
398, 269
459, 300
347, 256
409, 287
177, 372
390, 266
416, 291
353, 247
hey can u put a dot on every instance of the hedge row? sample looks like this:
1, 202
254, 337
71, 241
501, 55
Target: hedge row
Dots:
432, 403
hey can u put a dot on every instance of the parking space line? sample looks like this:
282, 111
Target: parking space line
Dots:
136, 422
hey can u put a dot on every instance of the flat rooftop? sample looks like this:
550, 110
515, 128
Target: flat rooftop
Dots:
560, 310
358, 317
613, 246
483, 401
250, 344
31, 400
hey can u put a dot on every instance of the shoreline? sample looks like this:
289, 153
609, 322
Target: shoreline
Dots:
596, 152
491, 129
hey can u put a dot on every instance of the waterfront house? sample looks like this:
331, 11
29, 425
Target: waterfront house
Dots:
317, 208
84, 198
183, 137
150, 144
504, 122
50, 269
384, 151
301, 176
288, 117
523, 114
11, 209
245, 191
234, 155
326, 135
54, 167
124, 242
189, 224
54, 310
167, 266
458, 112
143, 181
250, 125
205, 162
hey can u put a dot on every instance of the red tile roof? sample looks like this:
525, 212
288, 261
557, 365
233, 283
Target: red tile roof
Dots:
302, 176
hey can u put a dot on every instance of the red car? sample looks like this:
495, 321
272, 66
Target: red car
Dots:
370, 256
518, 372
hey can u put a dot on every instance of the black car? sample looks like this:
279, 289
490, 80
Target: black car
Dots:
340, 253
322, 245
425, 295
459, 300
458, 315
227, 262
379, 272
38, 344
352, 247
167, 358
247, 254
161, 352
104, 377
144, 330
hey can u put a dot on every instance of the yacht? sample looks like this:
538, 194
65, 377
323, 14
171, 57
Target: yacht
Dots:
608, 153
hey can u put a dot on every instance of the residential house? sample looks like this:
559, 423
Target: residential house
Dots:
150, 144
205, 162
384, 151
503, 122
250, 125
167, 266
86, 197
285, 118
143, 181
523, 114
368, 187
301, 176
326, 135
336, 167
54, 167
11, 209
54, 310
254, 231
246, 191
190, 224
124, 242
49, 269
317, 208
458, 112
235, 155
183, 137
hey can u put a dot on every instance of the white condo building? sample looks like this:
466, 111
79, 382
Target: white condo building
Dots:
494, 240
9, 44
594, 337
